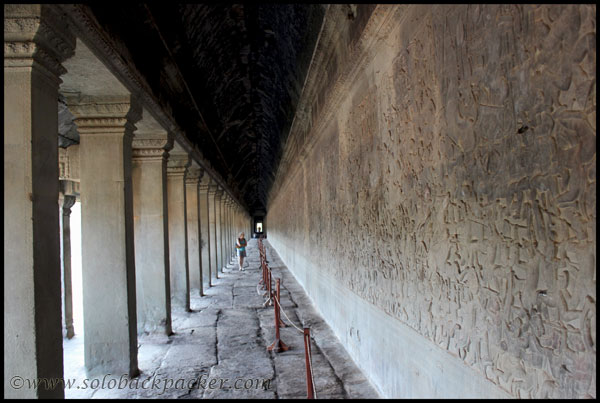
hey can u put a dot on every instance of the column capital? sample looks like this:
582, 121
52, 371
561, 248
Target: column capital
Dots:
204, 183
68, 202
69, 188
156, 147
194, 174
104, 115
178, 164
37, 34
213, 187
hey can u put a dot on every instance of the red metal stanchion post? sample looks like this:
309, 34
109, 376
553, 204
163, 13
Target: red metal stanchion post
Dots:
281, 322
310, 389
277, 345
269, 290
262, 266
267, 285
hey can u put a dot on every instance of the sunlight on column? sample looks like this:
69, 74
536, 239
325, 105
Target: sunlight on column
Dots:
76, 268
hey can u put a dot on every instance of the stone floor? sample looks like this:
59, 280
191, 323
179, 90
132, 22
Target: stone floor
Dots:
219, 349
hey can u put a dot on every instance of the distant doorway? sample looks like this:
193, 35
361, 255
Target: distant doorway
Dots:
259, 227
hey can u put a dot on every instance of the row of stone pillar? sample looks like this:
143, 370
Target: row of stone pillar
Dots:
154, 226
148, 229
183, 223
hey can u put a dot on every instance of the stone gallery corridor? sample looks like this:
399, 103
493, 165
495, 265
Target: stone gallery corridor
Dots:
416, 183
225, 338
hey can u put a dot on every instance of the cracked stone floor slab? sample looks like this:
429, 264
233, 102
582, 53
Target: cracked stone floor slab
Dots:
219, 350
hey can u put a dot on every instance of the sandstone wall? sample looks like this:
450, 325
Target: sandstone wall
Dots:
437, 198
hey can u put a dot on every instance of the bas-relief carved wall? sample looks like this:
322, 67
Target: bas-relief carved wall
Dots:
457, 192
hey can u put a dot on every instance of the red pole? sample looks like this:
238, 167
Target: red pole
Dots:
277, 345
262, 265
281, 322
269, 287
309, 385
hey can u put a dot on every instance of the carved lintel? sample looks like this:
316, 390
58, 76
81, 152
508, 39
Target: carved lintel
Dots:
63, 164
68, 163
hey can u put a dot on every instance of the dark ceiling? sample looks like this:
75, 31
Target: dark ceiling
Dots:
231, 76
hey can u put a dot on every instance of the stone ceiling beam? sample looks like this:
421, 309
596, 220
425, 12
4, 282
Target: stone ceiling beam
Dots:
93, 36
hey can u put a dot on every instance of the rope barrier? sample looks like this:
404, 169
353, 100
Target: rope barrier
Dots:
278, 345
287, 317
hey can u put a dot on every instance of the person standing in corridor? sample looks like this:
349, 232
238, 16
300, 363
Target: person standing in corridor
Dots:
241, 249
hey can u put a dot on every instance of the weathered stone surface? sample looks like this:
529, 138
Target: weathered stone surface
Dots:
106, 128
446, 186
227, 346
37, 41
177, 166
150, 215
205, 230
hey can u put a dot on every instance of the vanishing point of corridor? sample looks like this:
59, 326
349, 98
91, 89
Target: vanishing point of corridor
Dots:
424, 177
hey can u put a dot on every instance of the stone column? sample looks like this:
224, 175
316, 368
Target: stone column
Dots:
212, 191
236, 226
153, 282
193, 226
231, 236
224, 259
218, 232
229, 239
36, 42
204, 231
224, 203
240, 222
176, 171
241, 226
235, 223
108, 262
67, 202
232, 229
